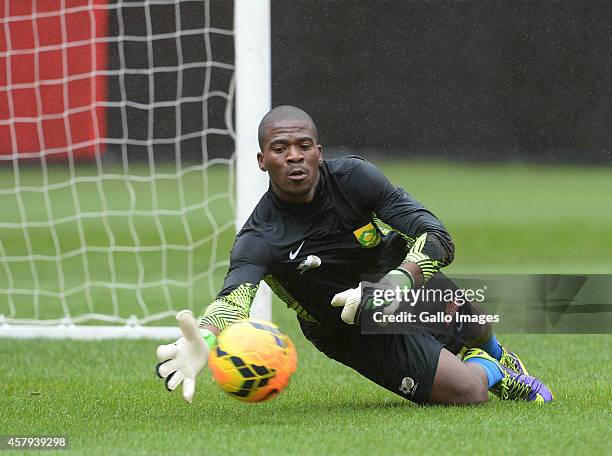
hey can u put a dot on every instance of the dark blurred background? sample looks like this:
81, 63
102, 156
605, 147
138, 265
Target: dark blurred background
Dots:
480, 80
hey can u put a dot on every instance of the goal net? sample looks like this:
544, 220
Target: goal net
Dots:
117, 163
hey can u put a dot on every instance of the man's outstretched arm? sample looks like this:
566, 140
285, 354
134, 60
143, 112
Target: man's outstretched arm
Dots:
181, 361
229, 307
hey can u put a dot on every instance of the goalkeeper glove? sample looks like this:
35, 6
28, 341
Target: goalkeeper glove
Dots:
354, 300
183, 360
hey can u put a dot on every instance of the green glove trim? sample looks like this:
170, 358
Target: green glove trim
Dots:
209, 337
401, 277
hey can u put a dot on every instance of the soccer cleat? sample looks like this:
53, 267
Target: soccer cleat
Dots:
521, 387
514, 386
512, 362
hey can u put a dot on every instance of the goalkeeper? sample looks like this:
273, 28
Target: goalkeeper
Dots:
312, 237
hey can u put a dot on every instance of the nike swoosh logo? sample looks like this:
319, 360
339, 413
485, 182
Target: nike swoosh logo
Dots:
292, 255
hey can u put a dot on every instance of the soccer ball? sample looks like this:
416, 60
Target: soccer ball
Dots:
253, 360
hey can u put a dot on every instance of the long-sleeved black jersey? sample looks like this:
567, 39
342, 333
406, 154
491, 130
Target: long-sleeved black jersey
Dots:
309, 252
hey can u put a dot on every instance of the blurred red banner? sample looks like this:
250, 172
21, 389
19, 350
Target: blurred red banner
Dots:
50, 89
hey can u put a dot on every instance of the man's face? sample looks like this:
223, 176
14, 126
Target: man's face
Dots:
291, 156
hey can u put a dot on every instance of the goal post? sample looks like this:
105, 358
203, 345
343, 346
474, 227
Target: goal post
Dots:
253, 82
128, 135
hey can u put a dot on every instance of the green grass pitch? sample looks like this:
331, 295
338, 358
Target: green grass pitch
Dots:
512, 218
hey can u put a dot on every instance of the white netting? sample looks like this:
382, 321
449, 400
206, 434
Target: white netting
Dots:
116, 158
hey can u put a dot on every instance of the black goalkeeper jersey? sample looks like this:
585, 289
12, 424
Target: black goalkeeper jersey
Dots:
309, 252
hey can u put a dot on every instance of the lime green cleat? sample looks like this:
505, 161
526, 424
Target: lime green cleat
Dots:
514, 386
512, 362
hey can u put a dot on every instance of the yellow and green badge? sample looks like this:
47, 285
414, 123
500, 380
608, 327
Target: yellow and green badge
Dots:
367, 235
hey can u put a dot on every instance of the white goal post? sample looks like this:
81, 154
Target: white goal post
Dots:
254, 83
128, 140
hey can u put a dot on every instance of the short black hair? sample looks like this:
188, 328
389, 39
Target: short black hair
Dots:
281, 113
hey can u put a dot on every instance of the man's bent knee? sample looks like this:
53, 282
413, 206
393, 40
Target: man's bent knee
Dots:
470, 393
457, 384
476, 394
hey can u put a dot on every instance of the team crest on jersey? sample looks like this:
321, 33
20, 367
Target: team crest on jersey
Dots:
367, 235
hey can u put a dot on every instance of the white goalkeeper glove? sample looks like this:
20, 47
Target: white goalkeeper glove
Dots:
353, 303
350, 300
182, 361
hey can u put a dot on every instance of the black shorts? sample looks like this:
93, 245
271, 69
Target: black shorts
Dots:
404, 364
